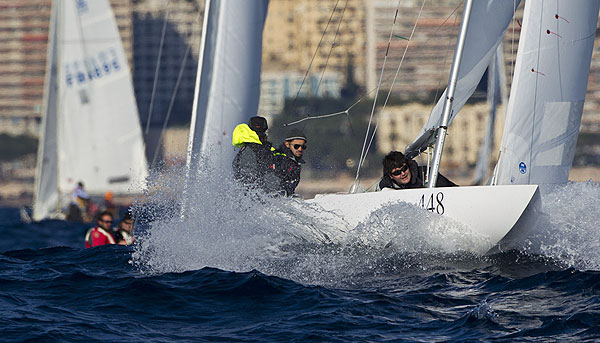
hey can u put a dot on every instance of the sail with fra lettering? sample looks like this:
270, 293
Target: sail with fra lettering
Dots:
90, 128
548, 92
228, 78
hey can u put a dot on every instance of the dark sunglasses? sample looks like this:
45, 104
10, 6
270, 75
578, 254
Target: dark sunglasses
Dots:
106, 221
402, 170
298, 146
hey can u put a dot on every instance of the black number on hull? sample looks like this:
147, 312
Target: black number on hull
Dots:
434, 204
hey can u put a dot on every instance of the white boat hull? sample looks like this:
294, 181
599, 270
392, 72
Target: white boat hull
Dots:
490, 211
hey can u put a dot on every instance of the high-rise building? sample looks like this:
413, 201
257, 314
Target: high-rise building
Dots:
167, 34
303, 36
24, 26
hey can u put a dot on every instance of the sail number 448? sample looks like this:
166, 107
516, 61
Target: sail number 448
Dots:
433, 203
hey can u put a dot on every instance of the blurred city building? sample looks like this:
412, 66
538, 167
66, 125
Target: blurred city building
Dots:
276, 87
24, 28
399, 125
167, 34
317, 40
293, 39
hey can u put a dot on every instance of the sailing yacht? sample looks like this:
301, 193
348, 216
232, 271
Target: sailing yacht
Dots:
545, 108
542, 124
90, 127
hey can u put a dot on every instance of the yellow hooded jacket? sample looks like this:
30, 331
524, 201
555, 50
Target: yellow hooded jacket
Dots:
254, 166
244, 134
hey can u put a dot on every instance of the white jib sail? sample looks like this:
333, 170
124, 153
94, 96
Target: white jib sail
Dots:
489, 20
548, 92
98, 134
228, 79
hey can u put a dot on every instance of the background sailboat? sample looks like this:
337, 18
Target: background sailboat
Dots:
90, 129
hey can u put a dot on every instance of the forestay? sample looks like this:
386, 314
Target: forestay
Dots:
91, 129
228, 77
548, 92
488, 22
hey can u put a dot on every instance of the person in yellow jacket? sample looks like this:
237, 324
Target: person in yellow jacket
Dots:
254, 164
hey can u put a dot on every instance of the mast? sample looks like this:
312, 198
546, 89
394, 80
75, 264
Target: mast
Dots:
192, 133
443, 128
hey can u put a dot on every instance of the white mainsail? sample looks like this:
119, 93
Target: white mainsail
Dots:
488, 22
548, 92
91, 131
228, 77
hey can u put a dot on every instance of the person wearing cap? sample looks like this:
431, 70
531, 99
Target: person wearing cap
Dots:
288, 157
124, 232
400, 172
254, 164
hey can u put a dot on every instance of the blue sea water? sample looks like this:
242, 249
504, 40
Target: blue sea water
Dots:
235, 269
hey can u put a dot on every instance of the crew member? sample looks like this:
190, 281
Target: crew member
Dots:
78, 206
289, 160
100, 234
402, 173
124, 232
254, 164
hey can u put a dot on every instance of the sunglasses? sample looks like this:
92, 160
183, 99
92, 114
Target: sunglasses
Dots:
106, 221
402, 170
298, 146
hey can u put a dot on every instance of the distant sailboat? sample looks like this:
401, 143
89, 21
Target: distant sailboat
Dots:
90, 128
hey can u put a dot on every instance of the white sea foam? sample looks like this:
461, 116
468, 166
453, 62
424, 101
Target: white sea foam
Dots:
229, 228
568, 230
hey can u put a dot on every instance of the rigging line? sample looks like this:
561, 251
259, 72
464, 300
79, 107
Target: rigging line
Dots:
158, 59
395, 77
316, 117
367, 94
375, 99
414, 27
374, 89
315, 54
353, 134
460, 5
337, 31
346, 111
172, 101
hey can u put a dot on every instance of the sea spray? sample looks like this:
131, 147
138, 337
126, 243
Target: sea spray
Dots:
212, 221
568, 232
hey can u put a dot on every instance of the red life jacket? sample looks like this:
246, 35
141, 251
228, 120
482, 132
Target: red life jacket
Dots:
98, 236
